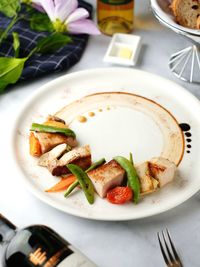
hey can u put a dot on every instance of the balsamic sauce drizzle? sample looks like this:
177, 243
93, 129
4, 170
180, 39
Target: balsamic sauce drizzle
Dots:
185, 127
188, 134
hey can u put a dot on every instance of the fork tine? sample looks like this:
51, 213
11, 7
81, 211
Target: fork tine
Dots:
167, 248
173, 248
162, 250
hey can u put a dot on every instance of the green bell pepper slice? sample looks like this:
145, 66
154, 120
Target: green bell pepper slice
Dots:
132, 176
51, 129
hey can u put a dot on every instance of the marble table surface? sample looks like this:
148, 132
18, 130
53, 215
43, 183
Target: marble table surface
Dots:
108, 244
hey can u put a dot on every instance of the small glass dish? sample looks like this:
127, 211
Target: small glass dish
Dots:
123, 49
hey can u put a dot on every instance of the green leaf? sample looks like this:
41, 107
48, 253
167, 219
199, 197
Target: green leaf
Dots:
52, 43
10, 8
1, 31
16, 43
40, 22
10, 70
4, 34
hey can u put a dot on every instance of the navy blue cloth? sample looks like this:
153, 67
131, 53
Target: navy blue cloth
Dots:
38, 64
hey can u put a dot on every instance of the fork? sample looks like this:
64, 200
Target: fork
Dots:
168, 250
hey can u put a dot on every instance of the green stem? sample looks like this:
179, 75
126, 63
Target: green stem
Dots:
71, 188
35, 49
32, 52
76, 183
12, 23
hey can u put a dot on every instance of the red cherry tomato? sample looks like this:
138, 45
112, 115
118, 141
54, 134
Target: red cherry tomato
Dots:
119, 195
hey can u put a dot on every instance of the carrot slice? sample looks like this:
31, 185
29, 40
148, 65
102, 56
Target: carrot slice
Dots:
35, 147
63, 184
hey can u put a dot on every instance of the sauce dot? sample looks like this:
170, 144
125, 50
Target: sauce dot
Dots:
91, 114
81, 119
184, 127
188, 134
188, 140
188, 151
100, 109
189, 146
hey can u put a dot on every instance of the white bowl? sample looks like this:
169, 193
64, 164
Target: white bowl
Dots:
162, 11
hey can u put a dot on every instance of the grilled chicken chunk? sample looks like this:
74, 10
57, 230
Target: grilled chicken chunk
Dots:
162, 170
106, 177
50, 140
155, 173
80, 156
147, 183
53, 154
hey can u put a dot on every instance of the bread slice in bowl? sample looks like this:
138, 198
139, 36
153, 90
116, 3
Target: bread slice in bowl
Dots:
198, 22
187, 12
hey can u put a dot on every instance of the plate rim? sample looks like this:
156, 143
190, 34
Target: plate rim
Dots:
51, 202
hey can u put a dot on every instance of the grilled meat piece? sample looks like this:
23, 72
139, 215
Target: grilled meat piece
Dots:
50, 140
155, 173
80, 156
106, 177
145, 179
162, 170
54, 118
53, 154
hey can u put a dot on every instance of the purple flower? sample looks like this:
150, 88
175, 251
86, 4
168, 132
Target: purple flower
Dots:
67, 17
34, 3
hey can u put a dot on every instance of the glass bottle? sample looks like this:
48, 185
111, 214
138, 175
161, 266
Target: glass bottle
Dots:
37, 245
115, 16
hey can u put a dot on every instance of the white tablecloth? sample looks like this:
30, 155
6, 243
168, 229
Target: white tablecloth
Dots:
109, 244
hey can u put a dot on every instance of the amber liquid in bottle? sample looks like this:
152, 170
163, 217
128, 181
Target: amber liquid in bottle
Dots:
115, 16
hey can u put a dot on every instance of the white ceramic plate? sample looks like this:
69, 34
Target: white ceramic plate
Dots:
116, 130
